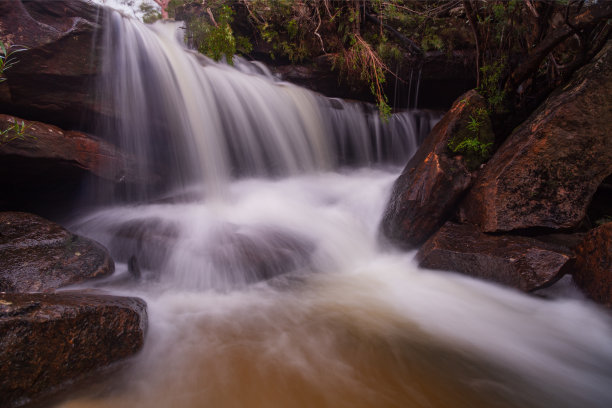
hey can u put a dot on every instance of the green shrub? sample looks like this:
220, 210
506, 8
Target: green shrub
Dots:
474, 140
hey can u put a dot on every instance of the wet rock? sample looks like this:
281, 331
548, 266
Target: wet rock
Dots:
50, 341
520, 262
593, 267
37, 255
236, 255
432, 182
52, 79
143, 243
547, 171
57, 148
260, 254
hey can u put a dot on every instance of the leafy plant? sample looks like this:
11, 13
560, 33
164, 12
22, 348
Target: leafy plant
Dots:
216, 38
149, 13
16, 131
491, 85
475, 140
7, 58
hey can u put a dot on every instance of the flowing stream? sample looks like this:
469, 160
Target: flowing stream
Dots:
254, 240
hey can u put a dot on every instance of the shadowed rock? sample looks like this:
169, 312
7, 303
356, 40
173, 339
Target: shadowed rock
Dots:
432, 182
593, 268
49, 341
42, 142
547, 171
520, 262
52, 79
233, 255
37, 255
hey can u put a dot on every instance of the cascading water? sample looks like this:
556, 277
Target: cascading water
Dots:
195, 120
260, 264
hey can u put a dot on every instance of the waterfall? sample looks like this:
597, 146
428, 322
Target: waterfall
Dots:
189, 119
260, 263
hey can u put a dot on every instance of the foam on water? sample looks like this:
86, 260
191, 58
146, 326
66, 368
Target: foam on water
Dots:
277, 292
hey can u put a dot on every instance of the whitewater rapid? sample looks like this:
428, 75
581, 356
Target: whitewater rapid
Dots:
260, 259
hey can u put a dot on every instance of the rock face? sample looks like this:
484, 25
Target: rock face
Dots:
42, 142
37, 255
48, 341
593, 268
432, 182
52, 79
520, 262
547, 171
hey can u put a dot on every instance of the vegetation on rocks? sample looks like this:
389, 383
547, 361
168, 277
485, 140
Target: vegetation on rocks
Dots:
7, 60
522, 49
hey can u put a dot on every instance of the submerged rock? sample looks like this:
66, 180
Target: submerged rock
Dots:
37, 255
520, 262
232, 256
49, 341
547, 171
260, 254
593, 268
432, 182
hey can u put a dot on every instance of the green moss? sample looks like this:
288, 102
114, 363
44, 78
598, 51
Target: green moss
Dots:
474, 139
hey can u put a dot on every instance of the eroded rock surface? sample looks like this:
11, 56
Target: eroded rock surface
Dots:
593, 268
37, 255
42, 142
520, 262
52, 80
547, 171
432, 182
49, 341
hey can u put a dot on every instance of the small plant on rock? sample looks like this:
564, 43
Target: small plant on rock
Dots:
475, 140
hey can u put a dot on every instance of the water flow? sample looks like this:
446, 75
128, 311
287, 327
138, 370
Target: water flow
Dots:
188, 119
279, 294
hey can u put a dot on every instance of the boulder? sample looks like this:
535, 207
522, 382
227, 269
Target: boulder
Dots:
52, 80
433, 181
257, 254
50, 341
520, 262
231, 255
546, 172
59, 149
593, 267
37, 255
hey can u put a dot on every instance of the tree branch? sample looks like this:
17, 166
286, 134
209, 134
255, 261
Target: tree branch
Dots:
472, 18
586, 20
410, 45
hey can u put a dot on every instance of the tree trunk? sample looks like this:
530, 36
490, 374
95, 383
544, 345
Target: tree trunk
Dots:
587, 19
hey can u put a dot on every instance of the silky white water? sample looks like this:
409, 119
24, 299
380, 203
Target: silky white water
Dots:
270, 287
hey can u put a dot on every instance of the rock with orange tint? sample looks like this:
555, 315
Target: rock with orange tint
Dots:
593, 268
52, 80
37, 255
432, 182
546, 172
63, 149
520, 262
50, 342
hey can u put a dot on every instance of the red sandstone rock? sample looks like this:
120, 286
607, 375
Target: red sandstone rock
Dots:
67, 148
37, 255
593, 268
520, 262
52, 80
432, 182
547, 171
49, 341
